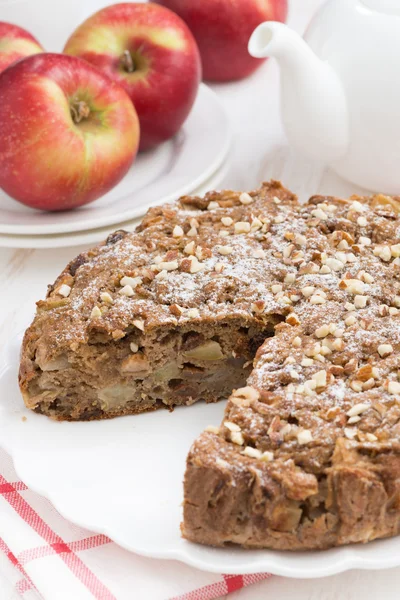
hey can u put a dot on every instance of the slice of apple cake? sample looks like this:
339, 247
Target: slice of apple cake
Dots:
165, 316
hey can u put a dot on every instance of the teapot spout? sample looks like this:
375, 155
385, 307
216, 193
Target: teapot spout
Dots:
314, 106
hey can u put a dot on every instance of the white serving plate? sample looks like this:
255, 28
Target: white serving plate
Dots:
92, 236
161, 175
123, 477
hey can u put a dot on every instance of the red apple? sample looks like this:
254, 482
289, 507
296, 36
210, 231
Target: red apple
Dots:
15, 43
222, 29
68, 134
149, 51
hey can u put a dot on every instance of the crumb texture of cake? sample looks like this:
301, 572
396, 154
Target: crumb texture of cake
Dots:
307, 455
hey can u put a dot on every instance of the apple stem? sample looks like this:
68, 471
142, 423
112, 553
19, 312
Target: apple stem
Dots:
79, 111
127, 62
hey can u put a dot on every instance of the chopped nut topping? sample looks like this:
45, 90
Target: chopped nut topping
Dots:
178, 231
293, 319
287, 251
296, 342
212, 205
349, 306
308, 291
127, 291
338, 344
176, 310
139, 323
212, 429
189, 248
357, 206
300, 239
168, 265
162, 275
304, 437
194, 265
106, 297
351, 320
384, 350
320, 379
64, 290
276, 288
334, 264
383, 252
252, 452
267, 456
357, 409
96, 312
290, 278
242, 227
369, 384
350, 432
219, 267
322, 331
383, 310
338, 332
360, 301
318, 213
245, 198
354, 286
225, 250
307, 362
227, 221
231, 426
325, 270
258, 306
259, 253
134, 347
362, 221
353, 420
395, 250
393, 387
237, 438
132, 281
248, 393
364, 241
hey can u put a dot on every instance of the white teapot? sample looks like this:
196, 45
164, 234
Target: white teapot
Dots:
341, 88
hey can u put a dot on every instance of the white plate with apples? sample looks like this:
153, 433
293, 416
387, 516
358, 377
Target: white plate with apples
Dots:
123, 477
174, 168
71, 124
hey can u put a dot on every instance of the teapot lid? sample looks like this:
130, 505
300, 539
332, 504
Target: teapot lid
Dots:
390, 7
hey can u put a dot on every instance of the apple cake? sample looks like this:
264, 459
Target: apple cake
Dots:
291, 310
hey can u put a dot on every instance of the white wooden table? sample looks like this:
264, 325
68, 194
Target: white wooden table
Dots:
259, 152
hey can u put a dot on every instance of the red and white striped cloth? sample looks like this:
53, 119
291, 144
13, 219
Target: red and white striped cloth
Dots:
55, 560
